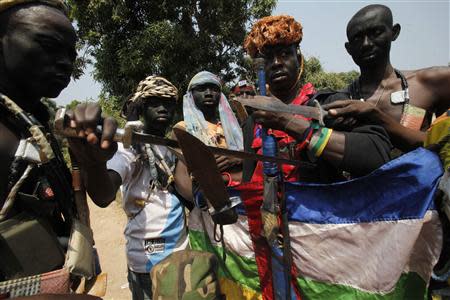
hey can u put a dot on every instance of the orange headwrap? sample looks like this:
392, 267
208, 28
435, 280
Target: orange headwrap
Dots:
273, 30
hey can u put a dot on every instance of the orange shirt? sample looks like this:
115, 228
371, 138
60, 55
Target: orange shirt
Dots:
215, 132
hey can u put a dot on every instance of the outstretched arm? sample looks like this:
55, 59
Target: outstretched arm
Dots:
404, 138
92, 153
345, 150
102, 185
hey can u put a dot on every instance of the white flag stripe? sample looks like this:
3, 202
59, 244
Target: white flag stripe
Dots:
236, 236
366, 256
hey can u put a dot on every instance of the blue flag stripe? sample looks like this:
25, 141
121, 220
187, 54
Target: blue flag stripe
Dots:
401, 189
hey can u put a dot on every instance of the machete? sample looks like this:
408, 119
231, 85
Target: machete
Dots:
276, 105
130, 134
274, 199
201, 163
239, 110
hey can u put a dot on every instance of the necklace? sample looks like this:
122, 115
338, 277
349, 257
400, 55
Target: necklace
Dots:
355, 89
381, 96
358, 92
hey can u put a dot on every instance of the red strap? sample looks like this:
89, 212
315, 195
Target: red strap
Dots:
252, 197
231, 182
305, 94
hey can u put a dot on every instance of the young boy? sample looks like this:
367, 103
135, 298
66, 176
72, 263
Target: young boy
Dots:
156, 223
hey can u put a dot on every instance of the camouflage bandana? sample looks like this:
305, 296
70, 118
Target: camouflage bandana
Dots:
151, 86
155, 86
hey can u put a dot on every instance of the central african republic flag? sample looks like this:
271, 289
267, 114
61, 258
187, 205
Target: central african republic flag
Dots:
374, 237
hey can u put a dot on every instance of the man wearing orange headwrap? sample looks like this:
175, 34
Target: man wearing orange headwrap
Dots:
277, 39
280, 36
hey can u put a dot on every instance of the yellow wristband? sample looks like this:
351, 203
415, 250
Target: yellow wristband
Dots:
324, 143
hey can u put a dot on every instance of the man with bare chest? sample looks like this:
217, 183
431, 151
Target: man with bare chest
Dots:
403, 102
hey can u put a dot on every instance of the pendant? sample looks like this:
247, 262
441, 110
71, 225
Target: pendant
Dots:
398, 97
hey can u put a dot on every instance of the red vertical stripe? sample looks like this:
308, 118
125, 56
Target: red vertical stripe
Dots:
252, 194
252, 197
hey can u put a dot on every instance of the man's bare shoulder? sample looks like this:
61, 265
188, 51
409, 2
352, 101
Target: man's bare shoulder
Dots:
436, 82
180, 125
431, 75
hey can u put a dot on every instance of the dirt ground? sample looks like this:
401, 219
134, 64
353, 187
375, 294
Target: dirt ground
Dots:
108, 225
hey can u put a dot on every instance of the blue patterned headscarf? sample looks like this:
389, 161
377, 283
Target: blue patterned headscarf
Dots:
195, 121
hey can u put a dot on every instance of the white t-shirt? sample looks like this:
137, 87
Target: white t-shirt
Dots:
155, 230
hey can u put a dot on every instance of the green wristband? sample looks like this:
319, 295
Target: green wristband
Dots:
320, 141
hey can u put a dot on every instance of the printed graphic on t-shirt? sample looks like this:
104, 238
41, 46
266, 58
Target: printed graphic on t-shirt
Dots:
153, 246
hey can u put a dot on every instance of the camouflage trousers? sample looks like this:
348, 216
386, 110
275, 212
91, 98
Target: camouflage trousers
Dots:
187, 275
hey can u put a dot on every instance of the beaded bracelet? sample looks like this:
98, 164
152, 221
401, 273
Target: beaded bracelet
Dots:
231, 182
307, 135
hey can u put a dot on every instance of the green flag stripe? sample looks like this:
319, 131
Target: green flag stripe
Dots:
244, 271
410, 286
240, 269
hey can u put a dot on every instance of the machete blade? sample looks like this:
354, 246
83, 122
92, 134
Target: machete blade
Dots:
240, 111
140, 137
201, 162
276, 105
129, 135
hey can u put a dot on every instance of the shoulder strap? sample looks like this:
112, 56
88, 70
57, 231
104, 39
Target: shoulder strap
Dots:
53, 164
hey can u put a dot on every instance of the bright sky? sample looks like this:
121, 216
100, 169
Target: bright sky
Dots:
423, 41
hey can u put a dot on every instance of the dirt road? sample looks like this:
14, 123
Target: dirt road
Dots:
108, 224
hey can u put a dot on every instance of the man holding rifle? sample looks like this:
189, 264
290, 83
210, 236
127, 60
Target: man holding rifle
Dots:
37, 205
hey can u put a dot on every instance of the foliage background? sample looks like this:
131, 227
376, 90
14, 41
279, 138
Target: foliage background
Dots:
314, 73
133, 39
129, 40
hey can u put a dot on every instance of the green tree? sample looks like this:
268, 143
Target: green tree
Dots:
314, 73
110, 107
72, 104
133, 39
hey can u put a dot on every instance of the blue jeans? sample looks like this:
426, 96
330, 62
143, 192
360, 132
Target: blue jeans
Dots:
140, 285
